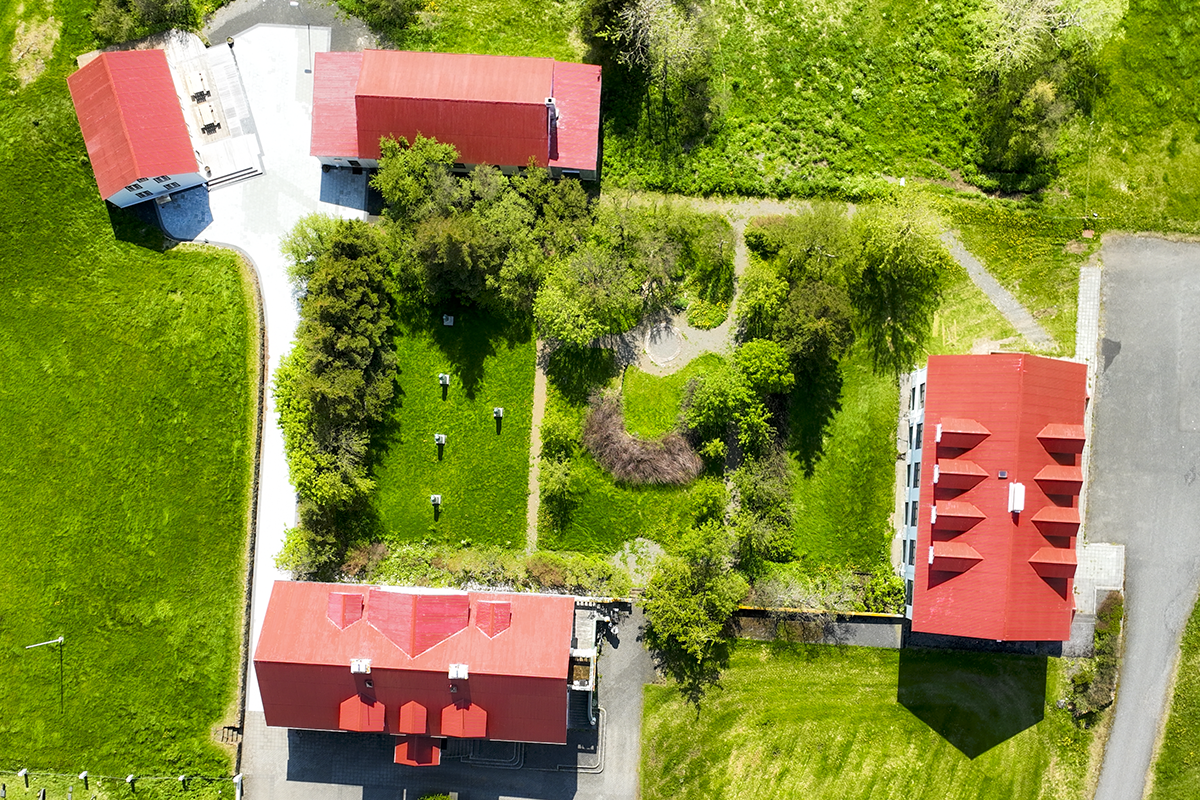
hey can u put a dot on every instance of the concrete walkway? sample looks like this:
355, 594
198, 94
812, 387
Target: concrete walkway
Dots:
253, 216
1001, 298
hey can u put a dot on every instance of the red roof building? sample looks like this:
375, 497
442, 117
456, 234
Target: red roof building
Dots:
133, 126
421, 664
498, 110
994, 477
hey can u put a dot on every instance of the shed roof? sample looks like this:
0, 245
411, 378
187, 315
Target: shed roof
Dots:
1020, 588
131, 119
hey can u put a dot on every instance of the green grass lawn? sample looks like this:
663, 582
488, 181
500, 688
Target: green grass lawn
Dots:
1026, 250
543, 28
967, 317
842, 508
1177, 769
125, 421
483, 476
652, 402
847, 722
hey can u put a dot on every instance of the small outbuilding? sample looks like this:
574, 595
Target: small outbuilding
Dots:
133, 126
498, 110
422, 665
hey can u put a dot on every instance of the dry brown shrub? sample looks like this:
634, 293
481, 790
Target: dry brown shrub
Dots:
669, 460
364, 558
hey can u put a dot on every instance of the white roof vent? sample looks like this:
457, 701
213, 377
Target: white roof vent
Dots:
458, 672
1016, 497
936, 473
360, 666
933, 515
938, 438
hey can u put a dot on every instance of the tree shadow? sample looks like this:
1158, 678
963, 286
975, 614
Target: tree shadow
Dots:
577, 371
693, 677
475, 336
811, 408
975, 701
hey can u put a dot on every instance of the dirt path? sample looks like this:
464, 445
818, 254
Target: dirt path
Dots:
535, 449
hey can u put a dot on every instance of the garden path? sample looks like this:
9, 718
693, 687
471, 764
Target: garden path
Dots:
1001, 298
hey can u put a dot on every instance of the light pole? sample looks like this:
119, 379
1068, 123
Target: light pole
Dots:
59, 642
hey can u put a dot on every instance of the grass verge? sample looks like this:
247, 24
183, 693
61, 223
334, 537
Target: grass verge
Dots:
652, 402
1177, 768
845, 722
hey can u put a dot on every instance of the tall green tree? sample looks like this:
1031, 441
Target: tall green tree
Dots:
897, 285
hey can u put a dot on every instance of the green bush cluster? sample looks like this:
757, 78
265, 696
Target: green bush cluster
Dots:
431, 564
1094, 686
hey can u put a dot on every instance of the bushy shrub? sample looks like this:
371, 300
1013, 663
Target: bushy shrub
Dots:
668, 460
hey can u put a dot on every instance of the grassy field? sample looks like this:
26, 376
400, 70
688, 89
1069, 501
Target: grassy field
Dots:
841, 510
483, 475
845, 722
652, 402
1034, 255
126, 420
543, 28
967, 317
1177, 769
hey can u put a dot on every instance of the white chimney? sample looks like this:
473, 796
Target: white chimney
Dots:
360, 666
458, 672
1016, 497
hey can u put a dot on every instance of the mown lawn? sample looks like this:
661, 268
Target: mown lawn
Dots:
483, 475
542, 28
1177, 769
842, 508
816, 722
126, 391
967, 317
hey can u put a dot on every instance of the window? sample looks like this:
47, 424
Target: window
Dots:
908, 593
162, 179
920, 426
144, 194
353, 163
912, 400
142, 180
133, 187
910, 437
916, 474
913, 519
906, 505
922, 395
172, 185
908, 478
904, 551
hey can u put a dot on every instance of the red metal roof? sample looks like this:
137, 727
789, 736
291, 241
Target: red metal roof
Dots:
335, 120
131, 119
517, 677
359, 713
464, 720
491, 108
575, 140
1020, 588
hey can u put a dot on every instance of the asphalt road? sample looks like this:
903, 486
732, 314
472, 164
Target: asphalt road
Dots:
1144, 493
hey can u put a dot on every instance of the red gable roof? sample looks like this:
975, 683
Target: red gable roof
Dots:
491, 108
515, 649
992, 574
131, 119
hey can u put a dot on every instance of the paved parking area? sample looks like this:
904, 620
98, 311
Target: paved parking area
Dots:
1144, 493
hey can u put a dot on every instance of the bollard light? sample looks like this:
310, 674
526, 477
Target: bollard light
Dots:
498, 412
24, 773
435, 499
439, 438
443, 379
83, 777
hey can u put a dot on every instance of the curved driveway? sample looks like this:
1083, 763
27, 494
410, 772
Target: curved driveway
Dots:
1144, 493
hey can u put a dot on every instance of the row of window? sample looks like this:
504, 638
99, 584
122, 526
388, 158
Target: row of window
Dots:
171, 185
914, 475
908, 552
912, 400
919, 429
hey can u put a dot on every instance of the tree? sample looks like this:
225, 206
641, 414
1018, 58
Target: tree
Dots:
588, 294
815, 325
764, 367
1017, 34
898, 283
407, 174
692, 595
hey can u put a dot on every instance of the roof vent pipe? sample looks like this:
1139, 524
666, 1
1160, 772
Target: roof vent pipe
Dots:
552, 107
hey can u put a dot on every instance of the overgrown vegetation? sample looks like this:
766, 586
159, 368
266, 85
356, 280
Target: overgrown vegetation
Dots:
856, 722
627, 458
1095, 683
127, 385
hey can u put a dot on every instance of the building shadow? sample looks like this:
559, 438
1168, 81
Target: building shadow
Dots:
974, 700
187, 216
137, 224
542, 772
346, 187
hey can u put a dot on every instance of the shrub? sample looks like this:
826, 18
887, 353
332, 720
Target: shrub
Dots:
669, 460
